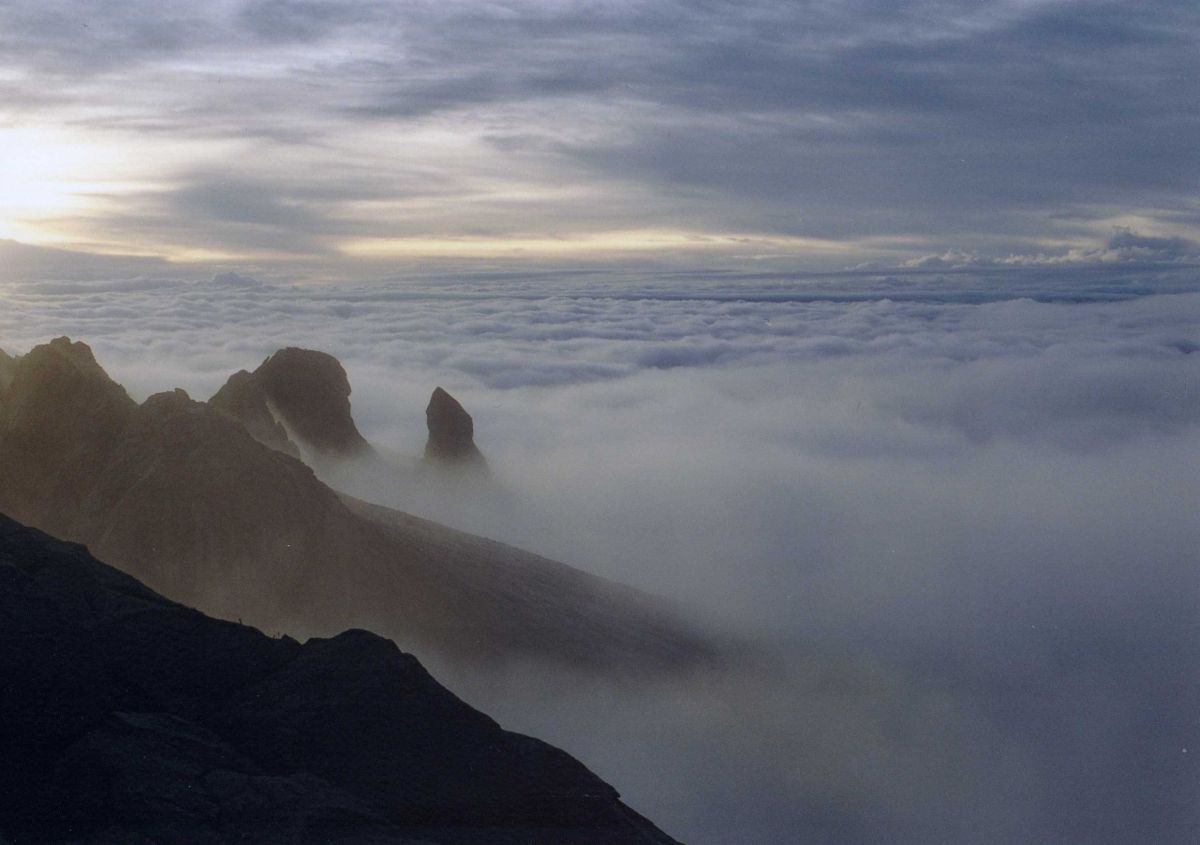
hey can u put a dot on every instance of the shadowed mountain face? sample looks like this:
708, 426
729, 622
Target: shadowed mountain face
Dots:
60, 414
127, 718
451, 433
183, 497
8, 369
243, 400
298, 397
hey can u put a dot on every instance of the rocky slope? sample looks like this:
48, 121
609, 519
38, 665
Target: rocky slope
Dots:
127, 718
181, 495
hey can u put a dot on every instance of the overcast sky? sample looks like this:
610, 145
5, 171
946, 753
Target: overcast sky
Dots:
801, 135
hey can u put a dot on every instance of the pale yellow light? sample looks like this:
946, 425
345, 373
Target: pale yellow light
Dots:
581, 244
44, 174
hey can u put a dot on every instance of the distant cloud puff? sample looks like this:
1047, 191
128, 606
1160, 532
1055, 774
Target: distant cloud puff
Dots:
1124, 246
235, 280
1130, 244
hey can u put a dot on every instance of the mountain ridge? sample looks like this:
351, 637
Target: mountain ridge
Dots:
126, 717
181, 495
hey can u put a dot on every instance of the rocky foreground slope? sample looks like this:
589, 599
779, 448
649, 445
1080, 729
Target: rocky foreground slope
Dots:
187, 498
127, 718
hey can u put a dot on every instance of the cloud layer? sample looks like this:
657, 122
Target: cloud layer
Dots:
964, 520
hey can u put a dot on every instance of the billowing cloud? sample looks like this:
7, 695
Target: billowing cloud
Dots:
961, 518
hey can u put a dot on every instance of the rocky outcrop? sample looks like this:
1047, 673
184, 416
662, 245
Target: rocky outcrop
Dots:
298, 402
298, 397
60, 414
126, 718
451, 433
243, 399
181, 496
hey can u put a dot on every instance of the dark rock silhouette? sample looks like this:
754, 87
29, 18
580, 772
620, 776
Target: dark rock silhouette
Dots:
297, 397
180, 495
8, 369
297, 402
60, 412
451, 432
126, 718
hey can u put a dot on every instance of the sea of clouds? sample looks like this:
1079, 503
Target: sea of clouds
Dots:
959, 514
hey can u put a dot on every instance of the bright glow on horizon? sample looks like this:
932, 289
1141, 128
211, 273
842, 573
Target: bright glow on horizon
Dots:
360, 133
584, 244
49, 174
36, 180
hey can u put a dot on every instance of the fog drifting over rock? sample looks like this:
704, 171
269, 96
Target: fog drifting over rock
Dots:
966, 520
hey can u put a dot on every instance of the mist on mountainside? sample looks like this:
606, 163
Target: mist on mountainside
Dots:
975, 578
131, 718
960, 534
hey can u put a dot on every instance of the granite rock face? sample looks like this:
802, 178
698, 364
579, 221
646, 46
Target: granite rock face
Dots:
298, 397
183, 497
451, 433
127, 718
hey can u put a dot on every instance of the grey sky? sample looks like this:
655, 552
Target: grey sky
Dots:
780, 134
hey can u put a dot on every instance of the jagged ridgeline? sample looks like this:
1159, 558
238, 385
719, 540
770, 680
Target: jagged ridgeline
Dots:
127, 718
209, 504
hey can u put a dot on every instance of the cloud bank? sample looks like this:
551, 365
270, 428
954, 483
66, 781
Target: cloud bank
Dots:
962, 519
